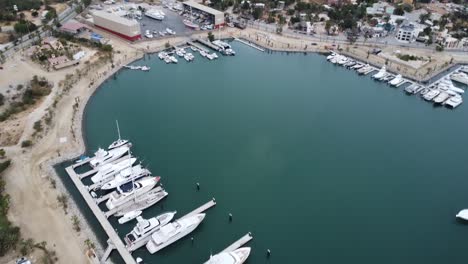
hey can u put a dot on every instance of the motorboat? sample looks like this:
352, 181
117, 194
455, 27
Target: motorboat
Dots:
145, 227
331, 56
189, 57
424, 91
167, 60
155, 14
237, 256
210, 56
162, 55
418, 89
190, 24
343, 60
410, 89
397, 80
364, 69
357, 66
108, 170
194, 49
125, 176
148, 34
102, 156
463, 214
203, 53
446, 85
460, 77
441, 98
145, 68
129, 216
126, 192
454, 101
170, 31
381, 73
173, 59
214, 55
172, 232
144, 201
429, 96
180, 52
464, 69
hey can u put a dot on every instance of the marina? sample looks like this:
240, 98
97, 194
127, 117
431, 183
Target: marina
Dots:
441, 91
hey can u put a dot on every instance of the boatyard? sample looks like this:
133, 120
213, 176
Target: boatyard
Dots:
441, 91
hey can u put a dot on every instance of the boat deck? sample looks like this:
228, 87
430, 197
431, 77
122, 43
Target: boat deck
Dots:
130, 203
95, 170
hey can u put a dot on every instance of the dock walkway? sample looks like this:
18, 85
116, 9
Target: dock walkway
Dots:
191, 43
208, 44
202, 208
249, 44
239, 243
118, 244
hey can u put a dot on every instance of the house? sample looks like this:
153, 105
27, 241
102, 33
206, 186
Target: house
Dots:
61, 62
73, 28
52, 42
380, 8
408, 33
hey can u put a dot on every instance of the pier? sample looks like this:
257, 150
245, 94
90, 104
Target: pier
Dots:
191, 43
114, 239
239, 243
208, 44
250, 44
202, 208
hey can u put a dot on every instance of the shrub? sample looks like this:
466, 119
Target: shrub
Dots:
26, 143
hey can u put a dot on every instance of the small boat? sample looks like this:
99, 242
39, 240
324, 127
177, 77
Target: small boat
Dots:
424, 91
203, 53
398, 79
418, 89
454, 101
382, 72
460, 77
441, 98
190, 24
167, 60
193, 49
173, 59
155, 14
129, 216
431, 95
148, 34
463, 214
162, 55
145, 68
170, 31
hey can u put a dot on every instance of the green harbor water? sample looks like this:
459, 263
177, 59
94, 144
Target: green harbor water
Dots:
320, 164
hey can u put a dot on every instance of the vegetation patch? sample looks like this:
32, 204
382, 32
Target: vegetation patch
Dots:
407, 57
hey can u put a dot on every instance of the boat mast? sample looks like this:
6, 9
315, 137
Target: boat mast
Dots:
118, 129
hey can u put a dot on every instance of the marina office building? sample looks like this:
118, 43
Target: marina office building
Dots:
217, 17
120, 26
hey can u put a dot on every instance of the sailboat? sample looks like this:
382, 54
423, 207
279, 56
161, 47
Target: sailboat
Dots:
119, 142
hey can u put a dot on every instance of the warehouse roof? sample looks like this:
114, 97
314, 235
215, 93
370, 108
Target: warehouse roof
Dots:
203, 8
114, 18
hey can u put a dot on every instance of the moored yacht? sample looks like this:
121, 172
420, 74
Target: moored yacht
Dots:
145, 227
431, 94
102, 156
460, 77
109, 170
442, 97
172, 232
126, 192
454, 101
129, 216
170, 31
155, 14
237, 256
398, 79
463, 214
382, 72
125, 176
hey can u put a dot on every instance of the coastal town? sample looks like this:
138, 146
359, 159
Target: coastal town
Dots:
54, 56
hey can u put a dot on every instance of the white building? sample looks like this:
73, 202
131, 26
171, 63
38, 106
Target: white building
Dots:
408, 33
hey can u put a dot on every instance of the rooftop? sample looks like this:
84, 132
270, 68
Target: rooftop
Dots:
114, 18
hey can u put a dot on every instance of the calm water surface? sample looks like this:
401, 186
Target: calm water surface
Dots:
320, 164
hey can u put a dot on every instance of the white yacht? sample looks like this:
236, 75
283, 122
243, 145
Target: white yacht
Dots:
155, 14
460, 77
463, 214
237, 256
398, 79
364, 69
129, 216
144, 201
203, 53
118, 143
125, 176
170, 31
454, 101
148, 34
431, 94
189, 57
162, 55
343, 60
126, 192
102, 156
446, 84
442, 97
108, 170
172, 232
145, 227
331, 56
173, 59
381, 73
357, 66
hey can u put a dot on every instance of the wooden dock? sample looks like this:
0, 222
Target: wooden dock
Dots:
239, 243
250, 44
202, 208
113, 237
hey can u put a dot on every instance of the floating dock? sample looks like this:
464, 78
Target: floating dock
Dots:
202, 208
191, 43
199, 210
114, 239
239, 243
250, 44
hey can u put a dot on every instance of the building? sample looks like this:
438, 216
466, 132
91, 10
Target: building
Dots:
214, 16
122, 27
407, 33
52, 43
73, 27
380, 8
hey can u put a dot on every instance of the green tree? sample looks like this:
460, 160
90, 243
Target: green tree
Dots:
211, 37
2, 99
399, 11
257, 13
424, 17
